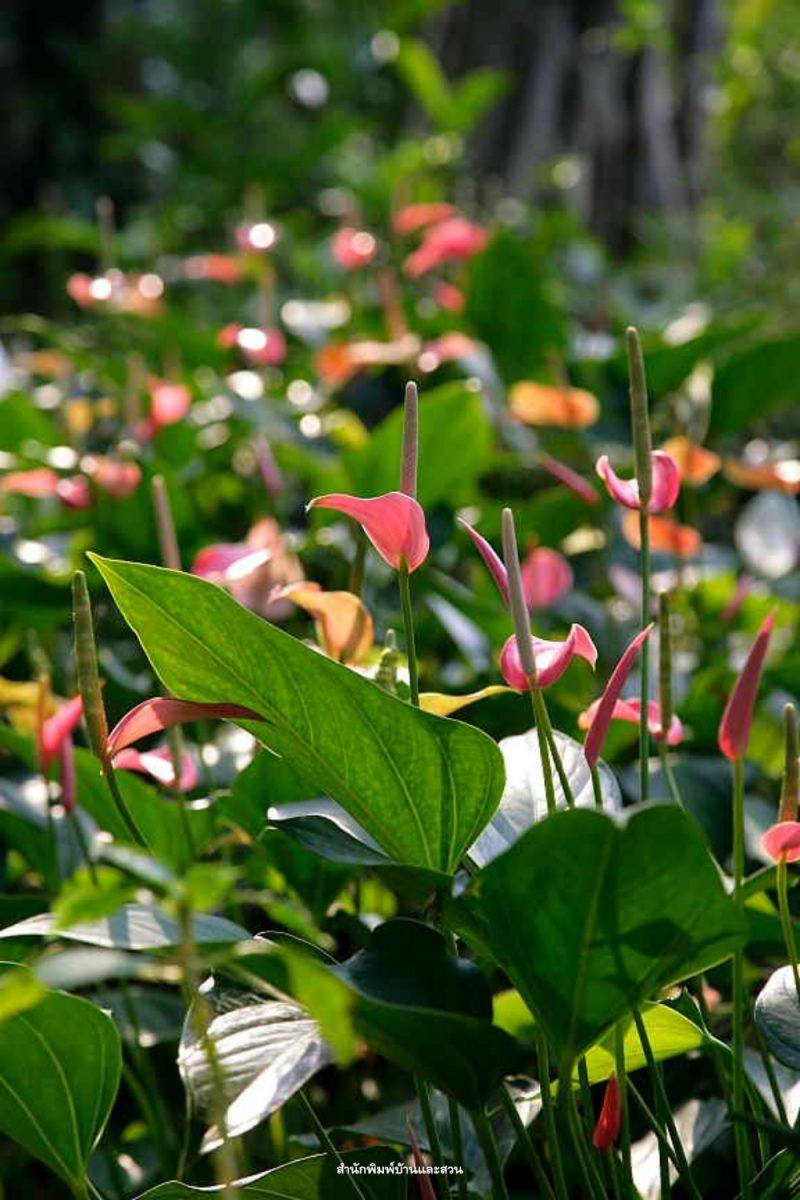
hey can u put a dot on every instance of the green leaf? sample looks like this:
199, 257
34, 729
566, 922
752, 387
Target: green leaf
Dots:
590, 915
314, 1178
449, 416
475, 95
422, 786
768, 371
425, 78
424, 1010
670, 1033
59, 1072
134, 927
509, 308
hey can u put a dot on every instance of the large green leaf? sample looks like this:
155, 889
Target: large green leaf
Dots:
133, 927
591, 914
314, 1178
449, 416
766, 371
422, 786
59, 1072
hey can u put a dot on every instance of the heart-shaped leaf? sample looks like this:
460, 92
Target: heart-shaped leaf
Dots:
589, 915
777, 1015
60, 1065
266, 1052
134, 927
422, 786
314, 1178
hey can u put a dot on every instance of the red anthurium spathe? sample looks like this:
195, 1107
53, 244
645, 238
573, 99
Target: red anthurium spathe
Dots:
552, 658
604, 712
75, 492
353, 248
782, 841
447, 241
734, 730
394, 523
57, 729
631, 710
666, 483
606, 1131
158, 765
165, 712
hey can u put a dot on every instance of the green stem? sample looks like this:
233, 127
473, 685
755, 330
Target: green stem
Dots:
563, 778
483, 1129
121, 805
592, 1183
457, 1136
527, 1143
786, 922
326, 1143
429, 1120
644, 729
664, 1105
408, 623
597, 790
668, 773
625, 1130
743, 1154
549, 1114
83, 845
544, 753
655, 1125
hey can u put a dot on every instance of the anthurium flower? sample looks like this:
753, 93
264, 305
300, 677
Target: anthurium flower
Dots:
493, 561
56, 729
165, 712
219, 268
353, 248
158, 765
734, 730
601, 714
74, 492
117, 478
449, 297
696, 464
666, 483
443, 705
546, 574
450, 347
394, 523
546, 404
552, 658
340, 361
35, 483
631, 710
344, 623
252, 569
570, 479
262, 347
169, 403
666, 536
768, 476
69, 777
412, 217
607, 1129
782, 841
447, 241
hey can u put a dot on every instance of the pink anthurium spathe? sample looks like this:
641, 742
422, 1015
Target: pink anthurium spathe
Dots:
353, 248
394, 523
571, 479
734, 730
546, 574
452, 240
69, 776
158, 764
631, 710
493, 561
165, 712
552, 658
666, 483
782, 841
604, 712
57, 729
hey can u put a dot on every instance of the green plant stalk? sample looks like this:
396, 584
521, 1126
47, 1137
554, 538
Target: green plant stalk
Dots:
544, 751
408, 625
457, 1135
527, 1143
743, 1154
665, 1117
549, 1114
786, 921
200, 1016
644, 728
592, 1182
563, 778
774, 1086
625, 1122
327, 1144
597, 790
149, 1083
428, 1119
83, 845
790, 788
483, 1129
669, 775
655, 1125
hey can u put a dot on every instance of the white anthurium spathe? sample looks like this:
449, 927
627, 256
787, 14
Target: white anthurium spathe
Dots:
777, 1013
266, 1050
522, 804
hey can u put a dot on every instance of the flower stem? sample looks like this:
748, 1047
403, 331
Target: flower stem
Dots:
408, 624
786, 921
644, 728
549, 1114
563, 778
527, 1143
457, 1136
669, 774
544, 752
428, 1119
625, 1121
743, 1154
326, 1143
483, 1129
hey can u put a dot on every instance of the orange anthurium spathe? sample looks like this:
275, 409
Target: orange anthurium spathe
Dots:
344, 623
737, 719
552, 658
545, 404
782, 841
769, 476
666, 483
666, 536
394, 523
696, 464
